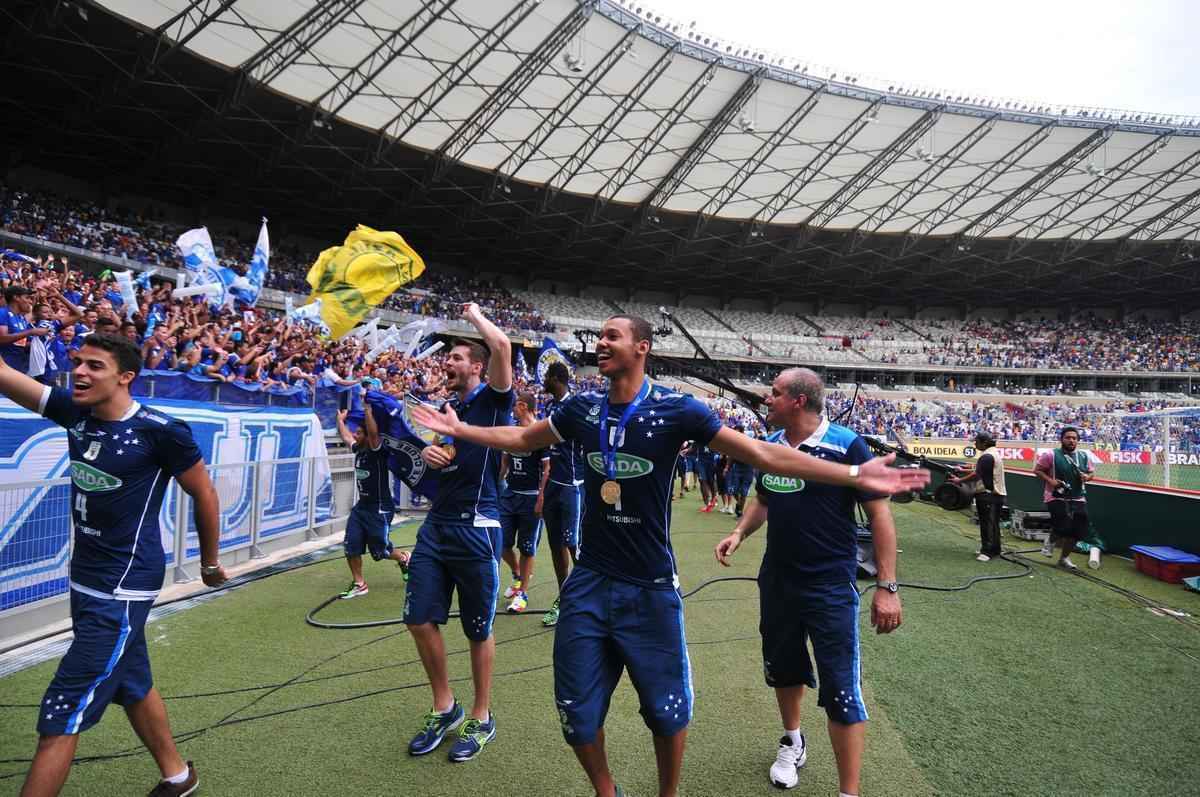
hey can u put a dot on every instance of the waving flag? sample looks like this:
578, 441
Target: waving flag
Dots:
550, 354
403, 438
200, 260
256, 275
352, 278
125, 286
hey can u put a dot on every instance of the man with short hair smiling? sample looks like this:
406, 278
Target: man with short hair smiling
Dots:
123, 457
621, 608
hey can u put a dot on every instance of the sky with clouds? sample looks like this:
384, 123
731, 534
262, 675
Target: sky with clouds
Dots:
1139, 55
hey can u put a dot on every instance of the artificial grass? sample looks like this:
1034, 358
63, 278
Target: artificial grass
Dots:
1045, 684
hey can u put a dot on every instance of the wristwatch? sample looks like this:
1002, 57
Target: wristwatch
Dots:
206, 570
890, 586
854, 472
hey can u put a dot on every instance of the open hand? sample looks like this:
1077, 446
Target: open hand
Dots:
444, 423
876, 477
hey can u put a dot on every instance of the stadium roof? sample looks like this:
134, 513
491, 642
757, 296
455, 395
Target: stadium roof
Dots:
583, 142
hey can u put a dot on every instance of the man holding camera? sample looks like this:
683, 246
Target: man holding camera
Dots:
989, 469
1064, 471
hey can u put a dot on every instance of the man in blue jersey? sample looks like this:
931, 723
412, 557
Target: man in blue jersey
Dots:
15, 328
525, 475
562, 508
370, 522
705, 471
621, 607
458, 545
123, 456
806, 582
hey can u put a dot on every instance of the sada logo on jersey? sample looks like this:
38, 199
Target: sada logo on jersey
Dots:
782, 484
91, 480
628, 466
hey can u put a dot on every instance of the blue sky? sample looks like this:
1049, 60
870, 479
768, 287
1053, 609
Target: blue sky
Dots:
1138, 55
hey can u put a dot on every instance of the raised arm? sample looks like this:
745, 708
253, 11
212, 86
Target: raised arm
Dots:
344, 432
370, 426
506, 438
500, 363
874, 476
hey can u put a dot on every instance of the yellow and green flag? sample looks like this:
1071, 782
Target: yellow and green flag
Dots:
352, 278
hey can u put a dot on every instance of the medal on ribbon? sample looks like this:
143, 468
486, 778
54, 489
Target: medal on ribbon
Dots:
610, 490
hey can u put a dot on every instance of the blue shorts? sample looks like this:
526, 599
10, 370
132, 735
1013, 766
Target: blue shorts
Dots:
688, 464
367, 528
792, 613
704, 470
449, 557
562, 511
521, 526
106, 663
605, 626
738, 481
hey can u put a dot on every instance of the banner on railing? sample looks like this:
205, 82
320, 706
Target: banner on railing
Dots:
286, 447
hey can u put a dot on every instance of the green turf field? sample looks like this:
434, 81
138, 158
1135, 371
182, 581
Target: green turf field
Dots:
1046, 684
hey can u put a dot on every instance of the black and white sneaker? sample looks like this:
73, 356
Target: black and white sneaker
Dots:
785, 772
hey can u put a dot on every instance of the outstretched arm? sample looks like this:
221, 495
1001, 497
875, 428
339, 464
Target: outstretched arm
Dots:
506, 438
21, 388
874, 476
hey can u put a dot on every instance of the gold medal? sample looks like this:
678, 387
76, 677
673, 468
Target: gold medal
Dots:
610, 492
450, 450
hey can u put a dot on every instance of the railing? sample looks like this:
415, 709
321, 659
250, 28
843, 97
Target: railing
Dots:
260, 502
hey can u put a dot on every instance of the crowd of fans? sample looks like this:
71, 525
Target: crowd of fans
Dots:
1098, 423
128, 234
1086, 343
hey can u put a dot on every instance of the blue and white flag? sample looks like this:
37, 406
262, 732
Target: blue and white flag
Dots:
256, 275
523, 366
551, 354
200, 260
13, 254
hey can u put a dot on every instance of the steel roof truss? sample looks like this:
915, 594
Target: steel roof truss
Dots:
910, 190
620, 178
624, 104
1156, 225
363, 74
747, 168
782, 200
580, 90
297, 40
955, 202
449, 78
1129, 203
469, 132
1014, 201
1096, 188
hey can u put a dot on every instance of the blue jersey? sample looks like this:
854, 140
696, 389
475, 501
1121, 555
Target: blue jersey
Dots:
374, 481
631, 540
810, 526
16, 354
468, 488
525, 471
119, 473
566, 458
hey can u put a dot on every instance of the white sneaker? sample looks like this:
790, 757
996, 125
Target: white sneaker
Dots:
785, 772
513, 590
1067, 564
983, 558
1048, 548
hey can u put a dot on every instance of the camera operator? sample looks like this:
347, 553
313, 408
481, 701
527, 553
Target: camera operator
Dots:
1065, 470
989, 469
